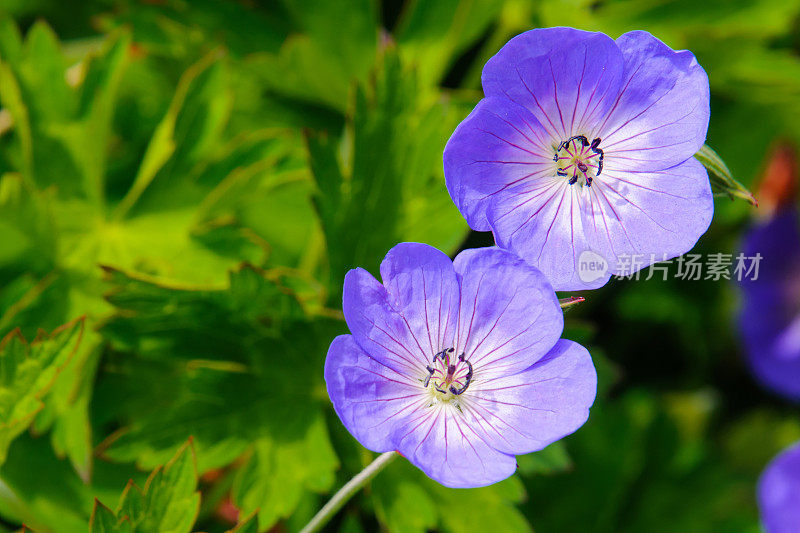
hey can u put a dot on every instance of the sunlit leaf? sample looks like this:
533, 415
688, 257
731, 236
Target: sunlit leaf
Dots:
280, 470
168, 502
27, 372
390, 180
408, 501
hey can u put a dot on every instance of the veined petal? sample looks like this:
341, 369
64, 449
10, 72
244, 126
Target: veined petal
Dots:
661, 213
423, 288
443, 443
546, 225
651, 215
528, 411
373, 400
498, 145
567, 78
509, 316
378, 328
661, 116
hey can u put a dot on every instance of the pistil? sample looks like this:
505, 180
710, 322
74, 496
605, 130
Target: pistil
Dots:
579, 159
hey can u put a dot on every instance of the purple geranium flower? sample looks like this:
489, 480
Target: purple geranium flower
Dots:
584, 145
770, 315
457, 365
779, 492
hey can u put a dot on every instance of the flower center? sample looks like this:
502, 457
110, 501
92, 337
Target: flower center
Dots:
579, 159
448, 376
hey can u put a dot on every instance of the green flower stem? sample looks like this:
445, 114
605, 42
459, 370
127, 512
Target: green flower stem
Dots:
345, 493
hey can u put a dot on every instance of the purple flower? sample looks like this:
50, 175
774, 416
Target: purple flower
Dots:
770, 315
457, 365
779, 492
584, 145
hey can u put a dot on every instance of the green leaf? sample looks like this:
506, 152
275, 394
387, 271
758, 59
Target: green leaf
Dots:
27, 372
261, 195
11, 98
104, 519
190, 125
673, 21
552, 459
44, 74
45, 493
432, 33
281, 470
66, 409
168, 503
222, 372
218, 372
205, 320
98, 95
386, 175
320, 63
10, 40
249, 524
722, 182
406, 500
409, 508
27, 228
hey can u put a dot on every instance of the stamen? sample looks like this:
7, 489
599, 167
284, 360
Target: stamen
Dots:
446, 377
582, 160
467, 378
428, 377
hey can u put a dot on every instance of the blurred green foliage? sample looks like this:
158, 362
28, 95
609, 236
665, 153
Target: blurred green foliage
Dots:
195, 178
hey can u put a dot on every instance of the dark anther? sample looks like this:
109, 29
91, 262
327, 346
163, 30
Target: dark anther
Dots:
443, 355
595, 148
467, 378
451, 371
582, 138
428, 377
582, 166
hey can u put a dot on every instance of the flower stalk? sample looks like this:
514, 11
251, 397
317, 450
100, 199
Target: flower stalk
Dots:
346, 492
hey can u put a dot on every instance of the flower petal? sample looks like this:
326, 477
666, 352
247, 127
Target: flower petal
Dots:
443, 443
770, 316
509, 316
373, 400
662, 213
567, 78
498, 145
378, 328
779, 492
528, 411
652, 215
423, 288
546, 225
661, 116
